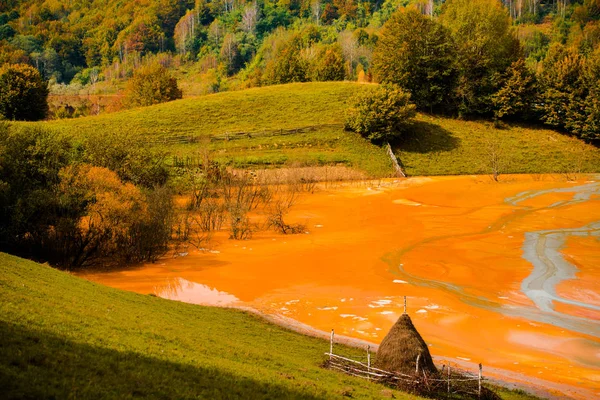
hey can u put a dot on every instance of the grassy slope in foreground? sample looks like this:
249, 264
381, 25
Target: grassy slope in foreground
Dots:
436, 146
61, 336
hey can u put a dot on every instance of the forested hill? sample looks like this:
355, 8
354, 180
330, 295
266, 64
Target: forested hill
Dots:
526, 60
63, 38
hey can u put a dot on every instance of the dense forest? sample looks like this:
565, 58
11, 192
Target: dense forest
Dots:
535, 60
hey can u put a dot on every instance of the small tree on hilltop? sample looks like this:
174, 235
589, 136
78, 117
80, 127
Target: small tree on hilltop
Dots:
381, 114
23, 93
151, 84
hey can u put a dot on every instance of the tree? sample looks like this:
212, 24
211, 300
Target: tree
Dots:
185, 32
250, 18
350, 47
495, 155
287, 65
30, 161
517, 95
486, 46
230, 54
563, 89
381, 113
151, 84
23, 93
329, 64
591, 128
417, 53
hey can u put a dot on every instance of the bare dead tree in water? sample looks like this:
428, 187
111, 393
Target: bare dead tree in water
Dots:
187, 231
575, 166
211, 215
495, 156
241, 194
279, 207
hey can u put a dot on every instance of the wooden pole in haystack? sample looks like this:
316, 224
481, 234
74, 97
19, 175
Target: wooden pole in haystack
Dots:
331, 345
369, 360
417, 367
448, 377
480, 375
404, 304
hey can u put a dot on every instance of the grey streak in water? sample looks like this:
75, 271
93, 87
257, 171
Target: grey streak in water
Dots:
542, 250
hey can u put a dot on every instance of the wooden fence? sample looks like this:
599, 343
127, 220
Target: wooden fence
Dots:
452, 381
228, 136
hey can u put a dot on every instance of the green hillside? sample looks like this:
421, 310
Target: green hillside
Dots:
65, 337
436, 145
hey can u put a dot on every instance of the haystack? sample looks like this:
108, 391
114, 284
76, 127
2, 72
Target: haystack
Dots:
399, 349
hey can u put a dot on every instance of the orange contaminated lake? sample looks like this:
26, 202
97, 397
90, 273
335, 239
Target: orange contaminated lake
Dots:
505, 273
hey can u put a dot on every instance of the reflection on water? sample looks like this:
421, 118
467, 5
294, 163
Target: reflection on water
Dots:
191, 292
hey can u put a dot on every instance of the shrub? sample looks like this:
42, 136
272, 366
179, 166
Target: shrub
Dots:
381, 114
23, 93
151, 84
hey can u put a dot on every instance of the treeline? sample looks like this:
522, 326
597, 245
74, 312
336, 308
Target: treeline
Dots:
81, 204
523, 60
470, 62
86, 41
109, 199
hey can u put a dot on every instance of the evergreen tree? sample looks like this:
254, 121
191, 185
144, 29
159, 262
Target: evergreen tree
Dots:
563, 89
516, 97
329, 64
287, 66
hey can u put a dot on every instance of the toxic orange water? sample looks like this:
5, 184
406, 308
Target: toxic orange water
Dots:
453, 245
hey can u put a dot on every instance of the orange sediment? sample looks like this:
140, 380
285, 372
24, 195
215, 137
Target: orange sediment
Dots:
453, 245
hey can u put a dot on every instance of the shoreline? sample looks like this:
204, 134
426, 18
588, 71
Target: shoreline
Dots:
497, 376
501, 341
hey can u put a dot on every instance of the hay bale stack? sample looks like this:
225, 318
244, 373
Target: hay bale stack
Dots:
399, 349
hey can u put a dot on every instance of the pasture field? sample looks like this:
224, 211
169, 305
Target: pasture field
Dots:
267, 128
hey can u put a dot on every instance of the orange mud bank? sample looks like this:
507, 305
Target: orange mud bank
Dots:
500, 273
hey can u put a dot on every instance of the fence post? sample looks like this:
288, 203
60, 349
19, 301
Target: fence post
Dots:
448, 377
417, 368
369, 360
480, 375
331, 345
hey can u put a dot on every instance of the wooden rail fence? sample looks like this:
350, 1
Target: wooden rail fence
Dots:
228, 136
451, 381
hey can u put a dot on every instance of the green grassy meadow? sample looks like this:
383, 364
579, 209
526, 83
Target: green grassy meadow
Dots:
65, 337
434, 146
